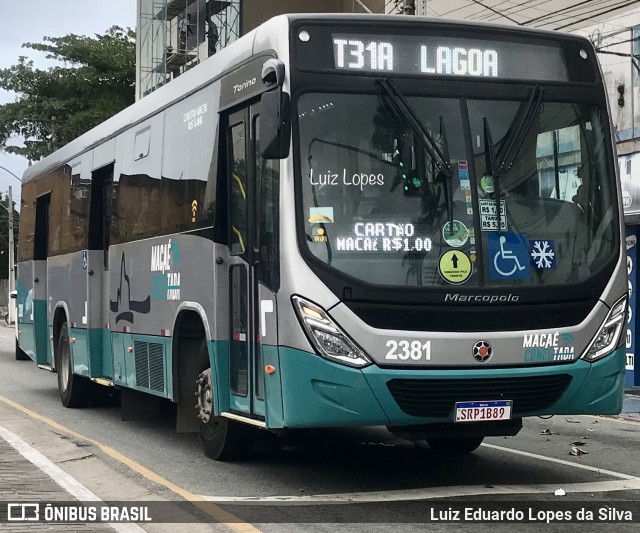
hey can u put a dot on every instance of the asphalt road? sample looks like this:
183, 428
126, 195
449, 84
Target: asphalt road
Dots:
365, 475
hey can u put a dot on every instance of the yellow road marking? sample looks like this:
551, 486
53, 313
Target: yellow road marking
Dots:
214, 511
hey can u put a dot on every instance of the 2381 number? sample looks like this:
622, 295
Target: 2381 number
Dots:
404, 350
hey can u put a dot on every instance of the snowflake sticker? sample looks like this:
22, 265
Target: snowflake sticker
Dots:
543, 254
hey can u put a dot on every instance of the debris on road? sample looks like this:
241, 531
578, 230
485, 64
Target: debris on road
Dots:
578, 443
572, 421
578, 451
547, 432
560, 492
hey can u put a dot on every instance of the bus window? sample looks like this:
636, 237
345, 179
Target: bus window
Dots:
238, 188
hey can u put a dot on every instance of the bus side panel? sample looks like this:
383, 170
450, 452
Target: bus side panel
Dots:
143, 363
67, 283
26, 327
39, 312
320, 393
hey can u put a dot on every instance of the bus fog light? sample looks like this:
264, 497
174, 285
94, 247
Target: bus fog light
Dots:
610, 333
327, 337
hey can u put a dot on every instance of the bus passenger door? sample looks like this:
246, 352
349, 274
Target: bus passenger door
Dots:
96, 264
246, 395
36, 305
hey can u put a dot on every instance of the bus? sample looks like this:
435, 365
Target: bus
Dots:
340, 220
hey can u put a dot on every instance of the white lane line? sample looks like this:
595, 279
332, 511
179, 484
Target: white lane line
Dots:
559, 461
432, 493
66, 481
624, 482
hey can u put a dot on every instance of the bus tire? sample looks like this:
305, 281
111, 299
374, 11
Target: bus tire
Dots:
221, 439
455, 445
20, 355
74, 390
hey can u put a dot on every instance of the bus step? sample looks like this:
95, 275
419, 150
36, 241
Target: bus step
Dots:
244, 419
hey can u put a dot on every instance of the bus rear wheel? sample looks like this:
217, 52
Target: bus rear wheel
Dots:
222, 439
455, 445
74, 390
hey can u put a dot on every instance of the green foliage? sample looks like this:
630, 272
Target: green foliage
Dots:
56, 105
4, 235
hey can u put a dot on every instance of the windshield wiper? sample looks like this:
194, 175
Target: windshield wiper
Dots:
404, 111
497, 165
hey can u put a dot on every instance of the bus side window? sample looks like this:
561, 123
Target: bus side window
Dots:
41, 238
267, 185
238, 190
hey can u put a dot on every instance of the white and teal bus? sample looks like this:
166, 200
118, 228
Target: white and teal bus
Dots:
340, 220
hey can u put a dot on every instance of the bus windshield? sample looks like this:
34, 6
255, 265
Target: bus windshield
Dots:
380, 204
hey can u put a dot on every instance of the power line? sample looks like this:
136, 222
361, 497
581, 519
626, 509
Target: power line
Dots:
568, 13
597, 15
573, 11
496, 12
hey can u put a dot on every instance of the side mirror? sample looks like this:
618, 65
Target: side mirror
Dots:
13, 294
275, 125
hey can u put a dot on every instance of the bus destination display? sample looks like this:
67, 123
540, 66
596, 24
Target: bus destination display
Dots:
446, 56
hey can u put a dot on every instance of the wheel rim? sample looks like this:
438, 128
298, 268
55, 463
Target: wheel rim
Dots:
204, 394
64, 364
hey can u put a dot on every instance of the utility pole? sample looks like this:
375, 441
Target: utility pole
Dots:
12, 272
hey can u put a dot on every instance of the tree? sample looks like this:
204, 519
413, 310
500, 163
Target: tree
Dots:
56, 105
4, 236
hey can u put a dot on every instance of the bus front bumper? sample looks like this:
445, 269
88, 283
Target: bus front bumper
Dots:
319, 393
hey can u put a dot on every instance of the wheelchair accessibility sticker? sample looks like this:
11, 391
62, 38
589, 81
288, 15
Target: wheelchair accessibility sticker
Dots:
508, 256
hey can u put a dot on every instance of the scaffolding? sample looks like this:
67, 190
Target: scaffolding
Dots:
175, 35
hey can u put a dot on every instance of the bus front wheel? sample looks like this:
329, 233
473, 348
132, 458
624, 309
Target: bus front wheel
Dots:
455, 445
222, 439
74, 390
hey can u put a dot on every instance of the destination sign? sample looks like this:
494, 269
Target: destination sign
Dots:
450, 56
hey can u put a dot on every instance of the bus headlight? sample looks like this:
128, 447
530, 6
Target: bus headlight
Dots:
608, 336
326, 336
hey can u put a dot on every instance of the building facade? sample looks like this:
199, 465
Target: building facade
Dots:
617, 41
175, 35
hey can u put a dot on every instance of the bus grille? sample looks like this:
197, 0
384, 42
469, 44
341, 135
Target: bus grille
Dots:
437, 397
149, 365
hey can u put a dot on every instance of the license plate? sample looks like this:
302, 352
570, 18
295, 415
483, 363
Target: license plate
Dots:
483, 411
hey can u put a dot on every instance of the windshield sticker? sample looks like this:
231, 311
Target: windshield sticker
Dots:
472, 232
489, 217
455, 266
486, 183
321, 215
319, 234
346, 178
543, 254
544, 347
463, 175
383, 237
508, 256
472, 255
455, 236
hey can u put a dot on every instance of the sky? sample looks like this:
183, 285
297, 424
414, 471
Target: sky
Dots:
29, 21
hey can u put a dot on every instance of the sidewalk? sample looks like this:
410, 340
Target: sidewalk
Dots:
21, 481
41, 464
